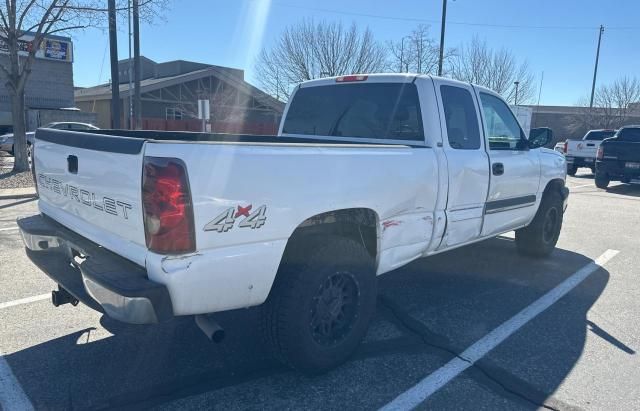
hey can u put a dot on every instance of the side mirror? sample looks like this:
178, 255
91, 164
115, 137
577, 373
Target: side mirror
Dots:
540, 137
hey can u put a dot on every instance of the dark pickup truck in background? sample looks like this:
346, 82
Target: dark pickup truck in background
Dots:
618, 157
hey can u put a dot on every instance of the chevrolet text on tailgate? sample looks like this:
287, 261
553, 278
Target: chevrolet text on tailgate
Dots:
367, 173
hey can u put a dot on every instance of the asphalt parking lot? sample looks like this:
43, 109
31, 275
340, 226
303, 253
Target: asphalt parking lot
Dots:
580, 353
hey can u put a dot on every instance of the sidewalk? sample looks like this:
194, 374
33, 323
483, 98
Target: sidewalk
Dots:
15, 193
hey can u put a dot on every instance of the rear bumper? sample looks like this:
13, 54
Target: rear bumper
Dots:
97, 277
580, 161
617, 170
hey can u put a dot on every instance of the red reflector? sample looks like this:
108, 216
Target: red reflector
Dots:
566, 146
166, 202
347, 79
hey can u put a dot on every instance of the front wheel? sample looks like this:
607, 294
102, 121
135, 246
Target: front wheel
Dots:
321, 304
539, 238
602, 180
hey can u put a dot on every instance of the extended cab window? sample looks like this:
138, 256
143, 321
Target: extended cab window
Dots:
502, 128
382, 111
461, 118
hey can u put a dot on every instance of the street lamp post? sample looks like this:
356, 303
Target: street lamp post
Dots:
517, 83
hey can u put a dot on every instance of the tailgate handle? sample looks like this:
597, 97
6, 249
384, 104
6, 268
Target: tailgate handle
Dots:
72, 164
590, 145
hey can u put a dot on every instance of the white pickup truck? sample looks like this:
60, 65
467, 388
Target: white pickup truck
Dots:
367, 173
582, 153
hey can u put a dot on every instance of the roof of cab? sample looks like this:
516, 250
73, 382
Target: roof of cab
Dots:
385, 78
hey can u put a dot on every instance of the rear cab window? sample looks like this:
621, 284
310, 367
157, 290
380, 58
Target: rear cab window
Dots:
598, 135
373, 111
631, 135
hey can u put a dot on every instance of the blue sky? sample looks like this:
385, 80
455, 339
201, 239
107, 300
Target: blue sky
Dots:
232, 32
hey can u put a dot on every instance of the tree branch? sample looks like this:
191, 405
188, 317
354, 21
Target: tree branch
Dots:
24, 13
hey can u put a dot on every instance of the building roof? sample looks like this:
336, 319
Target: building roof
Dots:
103, 91
571, 109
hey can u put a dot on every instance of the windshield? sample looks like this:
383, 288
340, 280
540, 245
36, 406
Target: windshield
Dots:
599, 135
382, 111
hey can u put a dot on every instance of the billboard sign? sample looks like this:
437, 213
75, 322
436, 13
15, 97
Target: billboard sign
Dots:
50, 49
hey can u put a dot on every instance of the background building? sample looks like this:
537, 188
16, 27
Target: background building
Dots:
170, 93
49, 89
572, 122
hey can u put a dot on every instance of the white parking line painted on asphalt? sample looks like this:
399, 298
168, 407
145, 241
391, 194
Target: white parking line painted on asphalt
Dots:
583, 185
438, 379
25, 300
9, 228
12, 396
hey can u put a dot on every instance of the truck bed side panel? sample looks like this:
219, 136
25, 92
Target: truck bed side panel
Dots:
288, 184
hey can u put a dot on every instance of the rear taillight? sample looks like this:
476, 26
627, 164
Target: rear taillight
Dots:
166, 202
566, 147
348, 79
600, 154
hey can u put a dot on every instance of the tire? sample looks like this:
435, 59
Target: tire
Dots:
572, 170
602, 180
321, 304
593, 170
539, 238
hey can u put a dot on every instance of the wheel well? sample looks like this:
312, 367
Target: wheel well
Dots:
554, 185
359, 224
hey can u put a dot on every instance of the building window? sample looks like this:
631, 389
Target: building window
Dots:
173, 113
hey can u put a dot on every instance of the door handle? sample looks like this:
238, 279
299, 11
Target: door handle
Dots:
497, 169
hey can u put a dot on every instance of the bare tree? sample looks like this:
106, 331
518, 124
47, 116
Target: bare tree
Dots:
494, 69
24, 25
225, 102
311, 50
416, 52
618, 97
613, 106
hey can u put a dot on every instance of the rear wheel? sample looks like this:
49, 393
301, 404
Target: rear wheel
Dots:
539, 238
602, 180
321, 304
572, 170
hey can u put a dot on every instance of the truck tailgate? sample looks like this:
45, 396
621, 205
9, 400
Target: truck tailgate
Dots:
582, 148
91, 183
622, 151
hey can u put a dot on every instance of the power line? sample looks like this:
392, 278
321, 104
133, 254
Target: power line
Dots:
461, 23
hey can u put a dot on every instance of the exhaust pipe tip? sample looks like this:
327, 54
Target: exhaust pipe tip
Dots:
210, 328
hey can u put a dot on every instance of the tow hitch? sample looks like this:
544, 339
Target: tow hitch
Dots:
61, 297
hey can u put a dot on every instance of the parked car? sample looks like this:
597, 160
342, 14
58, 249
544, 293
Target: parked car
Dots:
559, 147
618, 158
6, 141
367, 173
582, 153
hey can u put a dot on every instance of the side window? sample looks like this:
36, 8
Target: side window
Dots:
461, 118
503, 130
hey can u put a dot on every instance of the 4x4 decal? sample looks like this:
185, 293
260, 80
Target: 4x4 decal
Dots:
227, 219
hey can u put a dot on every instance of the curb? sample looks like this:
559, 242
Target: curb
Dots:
16, 194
